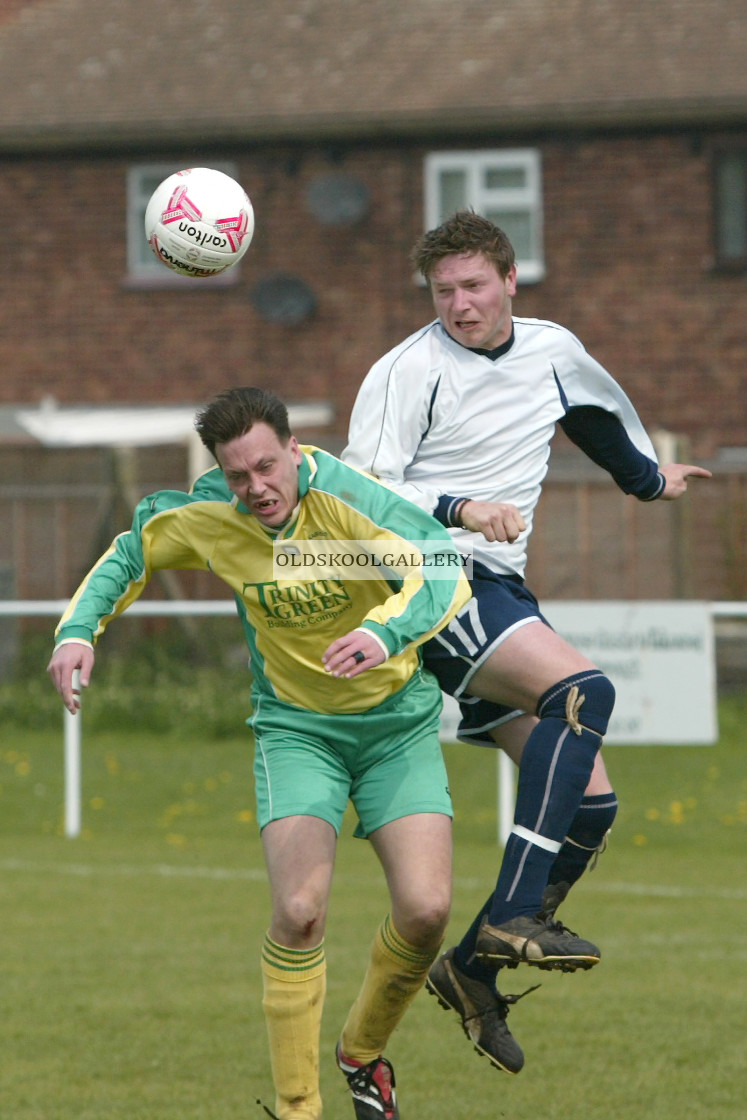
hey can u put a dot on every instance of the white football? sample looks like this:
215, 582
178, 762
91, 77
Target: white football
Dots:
199, 222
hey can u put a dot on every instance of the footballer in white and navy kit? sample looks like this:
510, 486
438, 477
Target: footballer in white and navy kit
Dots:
440, 422
459, 418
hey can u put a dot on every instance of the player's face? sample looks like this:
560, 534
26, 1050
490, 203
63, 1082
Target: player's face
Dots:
472, 300
262, 472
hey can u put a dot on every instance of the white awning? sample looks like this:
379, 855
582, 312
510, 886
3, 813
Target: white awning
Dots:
109, 426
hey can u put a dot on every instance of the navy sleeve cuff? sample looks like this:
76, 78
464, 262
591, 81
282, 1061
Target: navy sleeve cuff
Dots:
656, 487
447, 510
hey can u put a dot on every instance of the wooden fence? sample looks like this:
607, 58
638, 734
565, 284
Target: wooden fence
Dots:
590, 541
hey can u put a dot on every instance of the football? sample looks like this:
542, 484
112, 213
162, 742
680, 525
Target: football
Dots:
199, 222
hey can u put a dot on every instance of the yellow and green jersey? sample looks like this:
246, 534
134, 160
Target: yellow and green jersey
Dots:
289, 621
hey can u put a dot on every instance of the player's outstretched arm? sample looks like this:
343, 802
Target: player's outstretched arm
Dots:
497, 521
676, 476
65, 660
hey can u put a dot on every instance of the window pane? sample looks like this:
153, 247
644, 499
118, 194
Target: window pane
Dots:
504, 178
503, 184
518, 225
731, 201
147, 185
452, 192
146, 190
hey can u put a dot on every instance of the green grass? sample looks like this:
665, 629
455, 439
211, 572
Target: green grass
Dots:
129, 973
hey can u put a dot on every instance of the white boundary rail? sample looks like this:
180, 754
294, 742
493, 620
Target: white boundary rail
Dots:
53, 608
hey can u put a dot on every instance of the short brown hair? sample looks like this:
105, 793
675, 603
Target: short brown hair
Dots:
465, 232
232, 413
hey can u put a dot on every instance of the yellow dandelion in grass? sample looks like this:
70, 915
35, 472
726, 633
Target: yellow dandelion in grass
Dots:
652, 814
246, 816
729, 820
23, 767
741, 809
97, 803
639, 839
211, 785
676, 812
713, 773
177, 840
112, 763
170, 815
11, 757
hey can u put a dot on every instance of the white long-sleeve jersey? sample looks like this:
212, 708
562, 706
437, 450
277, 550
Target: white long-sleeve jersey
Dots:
437, 421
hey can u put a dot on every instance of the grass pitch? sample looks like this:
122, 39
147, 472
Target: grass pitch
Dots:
129, 971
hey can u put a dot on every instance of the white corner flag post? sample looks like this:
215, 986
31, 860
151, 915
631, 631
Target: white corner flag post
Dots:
72, 766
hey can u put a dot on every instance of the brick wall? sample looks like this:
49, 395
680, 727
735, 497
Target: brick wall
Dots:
629, 269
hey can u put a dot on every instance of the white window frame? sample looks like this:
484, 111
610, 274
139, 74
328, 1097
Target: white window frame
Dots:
473, 165
144, 270
730, 208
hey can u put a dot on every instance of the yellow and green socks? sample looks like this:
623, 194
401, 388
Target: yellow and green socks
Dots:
396, 973
294, 986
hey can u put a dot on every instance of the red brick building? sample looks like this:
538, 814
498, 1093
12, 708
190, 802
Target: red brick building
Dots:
610, 139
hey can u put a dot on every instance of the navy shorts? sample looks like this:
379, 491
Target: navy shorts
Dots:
499, 606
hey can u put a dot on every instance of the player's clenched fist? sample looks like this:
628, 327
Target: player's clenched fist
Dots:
497, 521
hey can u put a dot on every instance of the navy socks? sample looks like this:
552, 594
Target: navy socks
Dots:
555, 769
585, 838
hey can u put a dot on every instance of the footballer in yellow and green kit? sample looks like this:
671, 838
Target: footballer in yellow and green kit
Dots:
373, 738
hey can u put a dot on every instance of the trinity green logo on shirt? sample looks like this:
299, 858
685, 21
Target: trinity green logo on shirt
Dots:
298, 602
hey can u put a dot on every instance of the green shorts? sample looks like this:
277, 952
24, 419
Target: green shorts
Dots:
387, 760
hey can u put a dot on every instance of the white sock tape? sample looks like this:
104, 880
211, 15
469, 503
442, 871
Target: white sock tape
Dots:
535, 838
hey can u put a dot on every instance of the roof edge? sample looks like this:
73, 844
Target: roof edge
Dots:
690, 112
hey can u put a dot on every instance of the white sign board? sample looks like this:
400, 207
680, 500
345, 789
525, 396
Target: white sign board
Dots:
660, 658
